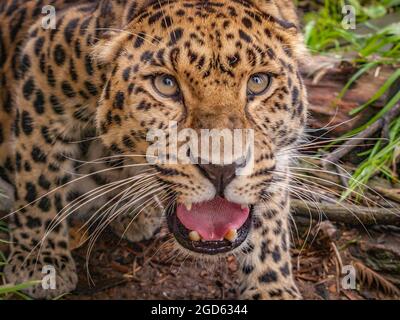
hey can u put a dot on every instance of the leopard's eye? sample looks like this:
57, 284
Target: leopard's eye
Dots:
258, 84
166, 85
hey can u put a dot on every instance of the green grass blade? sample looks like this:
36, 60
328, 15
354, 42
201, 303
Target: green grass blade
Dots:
356, 76
7, 289
385, 87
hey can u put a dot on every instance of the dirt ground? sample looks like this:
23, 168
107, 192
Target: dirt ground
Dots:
149, 270
123, 270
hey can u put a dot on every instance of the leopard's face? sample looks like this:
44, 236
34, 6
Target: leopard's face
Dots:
221, 65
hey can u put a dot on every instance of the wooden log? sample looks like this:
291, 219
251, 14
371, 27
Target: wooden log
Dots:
325, 77
346, 213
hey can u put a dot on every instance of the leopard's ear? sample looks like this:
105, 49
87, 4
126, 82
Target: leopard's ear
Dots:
114, 15
282, 12
283, 15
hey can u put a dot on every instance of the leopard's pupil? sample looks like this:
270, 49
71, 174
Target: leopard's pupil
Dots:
257, 80
168, 82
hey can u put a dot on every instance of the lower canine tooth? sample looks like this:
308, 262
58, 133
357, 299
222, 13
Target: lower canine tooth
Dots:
231, 235
194, 236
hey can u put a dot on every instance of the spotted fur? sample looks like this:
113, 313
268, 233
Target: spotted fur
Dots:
87, 81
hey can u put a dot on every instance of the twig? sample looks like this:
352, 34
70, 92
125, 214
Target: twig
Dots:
338, 264
350, 214
330, 178
381, 124
349, 145
337, 255
392, 193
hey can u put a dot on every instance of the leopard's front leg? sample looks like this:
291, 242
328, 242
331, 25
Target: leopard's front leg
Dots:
39, 233
266, 269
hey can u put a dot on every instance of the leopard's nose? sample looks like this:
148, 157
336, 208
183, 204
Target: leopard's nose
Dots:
220, 176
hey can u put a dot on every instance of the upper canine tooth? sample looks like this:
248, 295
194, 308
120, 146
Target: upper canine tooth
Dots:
194, 236
188, 206
244, 206
231, 235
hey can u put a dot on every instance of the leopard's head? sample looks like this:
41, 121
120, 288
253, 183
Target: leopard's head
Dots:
199, 65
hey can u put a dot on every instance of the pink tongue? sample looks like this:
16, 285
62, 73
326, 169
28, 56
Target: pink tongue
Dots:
213, 219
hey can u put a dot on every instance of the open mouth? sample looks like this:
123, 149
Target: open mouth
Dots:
212, 227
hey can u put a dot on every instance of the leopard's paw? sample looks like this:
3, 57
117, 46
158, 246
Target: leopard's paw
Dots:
53, 275
277, 293
143, 227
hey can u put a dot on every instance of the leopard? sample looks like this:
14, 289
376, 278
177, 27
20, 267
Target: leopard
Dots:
80, 94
